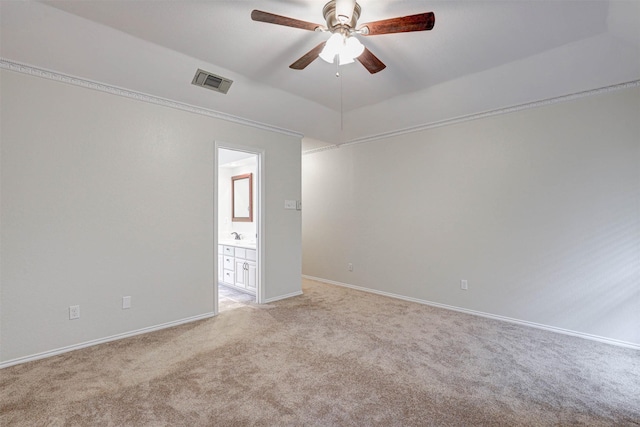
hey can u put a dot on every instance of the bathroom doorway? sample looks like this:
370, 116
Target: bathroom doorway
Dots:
238, 216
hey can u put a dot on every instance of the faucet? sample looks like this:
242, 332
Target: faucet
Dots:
237, 235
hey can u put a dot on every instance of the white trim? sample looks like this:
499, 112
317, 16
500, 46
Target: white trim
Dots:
260, 216
139, 96
216, 266
127, 93
91, 343
483, 314
321, 149
261, 226
280, 297
482, 115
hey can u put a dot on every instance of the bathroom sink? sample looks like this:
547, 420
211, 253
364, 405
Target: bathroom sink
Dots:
233, 242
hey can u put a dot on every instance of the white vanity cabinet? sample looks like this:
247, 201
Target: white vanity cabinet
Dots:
237, 267
240, 273
226, 273
245, 269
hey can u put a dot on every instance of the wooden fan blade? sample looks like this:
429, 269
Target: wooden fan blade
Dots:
270, 18
370, 61
308, 57
420, 22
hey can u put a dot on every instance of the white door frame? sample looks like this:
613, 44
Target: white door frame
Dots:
259, 217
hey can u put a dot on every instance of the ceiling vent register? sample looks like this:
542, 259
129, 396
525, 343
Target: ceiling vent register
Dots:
211, 81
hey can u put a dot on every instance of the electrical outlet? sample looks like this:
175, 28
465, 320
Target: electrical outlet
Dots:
350, 267
74, 312
126, 302
464, 285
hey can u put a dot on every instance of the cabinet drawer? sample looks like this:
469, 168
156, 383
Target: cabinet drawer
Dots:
228, 263
229, 277
228, 250
250, 255
240, 253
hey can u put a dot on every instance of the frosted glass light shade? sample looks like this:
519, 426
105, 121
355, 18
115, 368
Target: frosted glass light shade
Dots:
331, 48
353, 47
347, 49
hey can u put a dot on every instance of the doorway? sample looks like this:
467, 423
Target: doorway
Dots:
238, 227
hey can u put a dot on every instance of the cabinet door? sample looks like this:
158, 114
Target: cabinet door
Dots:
220, 268
240, 273
252, 276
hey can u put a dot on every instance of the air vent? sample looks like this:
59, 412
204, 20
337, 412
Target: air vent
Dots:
211, 81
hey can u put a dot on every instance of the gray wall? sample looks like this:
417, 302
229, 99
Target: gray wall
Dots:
105, 196
538, 209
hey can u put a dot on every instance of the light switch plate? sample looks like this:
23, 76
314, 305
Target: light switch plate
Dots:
126, 302
289, 204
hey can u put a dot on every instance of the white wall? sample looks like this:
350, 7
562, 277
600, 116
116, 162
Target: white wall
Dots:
105, 196
35, 33
539, 210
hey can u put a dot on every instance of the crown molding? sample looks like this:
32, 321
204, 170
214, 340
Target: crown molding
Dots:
476, 116
127, 93
139, 96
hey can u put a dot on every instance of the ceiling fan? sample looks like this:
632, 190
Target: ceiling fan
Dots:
343, 47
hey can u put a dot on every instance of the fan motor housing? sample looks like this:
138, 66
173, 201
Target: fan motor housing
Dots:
329, 12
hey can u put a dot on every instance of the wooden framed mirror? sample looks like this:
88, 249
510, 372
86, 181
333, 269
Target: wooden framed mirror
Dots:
242, 198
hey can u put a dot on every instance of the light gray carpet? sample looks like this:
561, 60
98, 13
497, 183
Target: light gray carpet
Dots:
331, 357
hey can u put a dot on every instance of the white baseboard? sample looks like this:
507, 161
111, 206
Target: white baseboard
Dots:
102, 340
278, 298
483, 314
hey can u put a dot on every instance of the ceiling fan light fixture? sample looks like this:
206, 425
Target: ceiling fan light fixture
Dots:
353, 47
346, 48
331, 48
341, 17
345, 59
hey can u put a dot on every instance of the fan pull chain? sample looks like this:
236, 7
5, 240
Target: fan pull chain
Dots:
336, 60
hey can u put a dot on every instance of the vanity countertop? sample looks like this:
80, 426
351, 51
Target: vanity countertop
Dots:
238, 243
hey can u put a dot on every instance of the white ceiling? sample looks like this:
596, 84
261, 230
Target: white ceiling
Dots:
234, 158
480, 56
